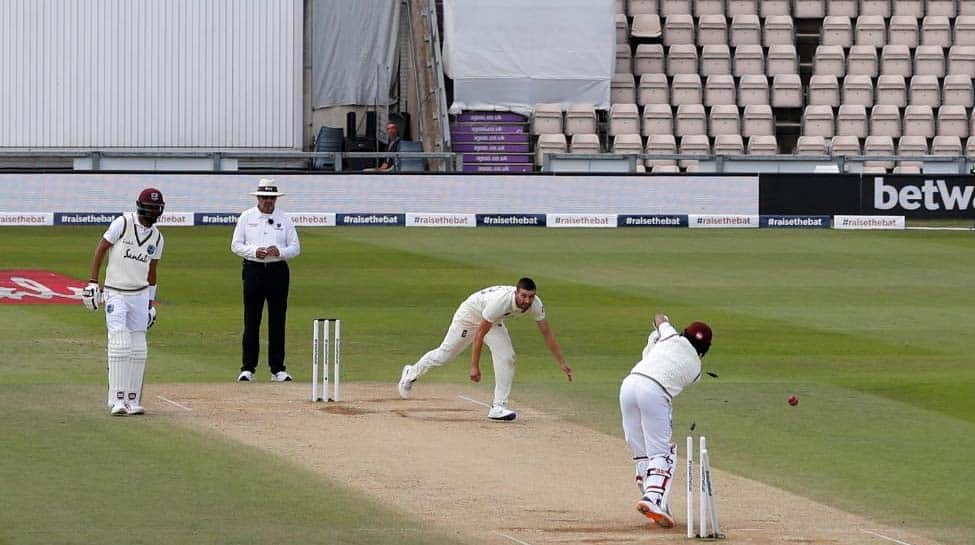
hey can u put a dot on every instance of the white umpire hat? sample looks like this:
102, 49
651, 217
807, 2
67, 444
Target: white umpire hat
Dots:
267, 187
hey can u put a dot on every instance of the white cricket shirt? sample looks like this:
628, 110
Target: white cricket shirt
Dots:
258, 230
496, 304
670, 360
133, 247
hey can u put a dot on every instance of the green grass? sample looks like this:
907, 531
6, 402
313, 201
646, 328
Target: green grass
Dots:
870, 329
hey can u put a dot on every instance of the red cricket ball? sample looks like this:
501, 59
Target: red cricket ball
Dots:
793, 400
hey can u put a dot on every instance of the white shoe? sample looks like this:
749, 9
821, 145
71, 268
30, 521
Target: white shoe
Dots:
280, 376
405, 384
135, 409
245, 376
119, 409
654, 512
500, 412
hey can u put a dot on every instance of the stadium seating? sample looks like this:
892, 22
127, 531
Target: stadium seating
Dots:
580, 119
585, 143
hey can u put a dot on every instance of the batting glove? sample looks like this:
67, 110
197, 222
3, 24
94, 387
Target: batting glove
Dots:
152, 318
91, 296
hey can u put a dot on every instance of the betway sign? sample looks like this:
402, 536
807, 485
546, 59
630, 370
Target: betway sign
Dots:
950, 196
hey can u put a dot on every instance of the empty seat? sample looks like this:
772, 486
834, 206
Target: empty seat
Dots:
547, 119
649, 59
952, 121
745, 30
724, 119
878, 145
885, 120
787, 91
657, 119
871, 30
908, 167
329, 139
728, 144
837, 30
947, 145
924, 91
661, 144
808, 9
679, 29
715, 59
675, 7
627, 144
682, 59
695, 144
580, 119
829, 60
929, 60
919, 121
902, 30
621, 6
961, 60
852, 121
844, 8
966, 7
896, 60
891, 90
782, 59
862, 61
664, 169
771, 8
624, 119
654, 89
958, 91
752, 89
757, 120
844, 146
970, 146
712, 30
624, 58
778, 30
908, 8
549, 143
964, 32
749, 59
912, 146
762, 145
880, 8
646, 27
858, 90
622, 89
584, 143
824, 90
622, 29
690, 120
686, 89
936, 30
742, 7
640, 7
708, 7
719, 89
811, 145
945, 8
817, 120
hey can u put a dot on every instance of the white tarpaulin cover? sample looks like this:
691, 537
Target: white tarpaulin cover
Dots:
354, 55
513, 54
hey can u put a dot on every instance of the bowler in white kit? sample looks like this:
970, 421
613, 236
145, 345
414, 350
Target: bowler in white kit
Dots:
478, 321
671, 361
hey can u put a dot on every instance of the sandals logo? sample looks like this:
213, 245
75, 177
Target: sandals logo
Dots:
35, 287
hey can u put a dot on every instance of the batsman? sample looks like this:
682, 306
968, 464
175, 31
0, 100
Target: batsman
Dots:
134, 246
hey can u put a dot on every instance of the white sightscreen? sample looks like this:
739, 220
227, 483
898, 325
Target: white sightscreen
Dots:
151, 73
513, 54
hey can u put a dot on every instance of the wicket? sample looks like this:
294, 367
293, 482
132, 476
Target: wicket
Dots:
706, 503
324, 325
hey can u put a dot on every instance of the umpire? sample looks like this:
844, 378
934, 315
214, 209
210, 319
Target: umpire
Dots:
266, 239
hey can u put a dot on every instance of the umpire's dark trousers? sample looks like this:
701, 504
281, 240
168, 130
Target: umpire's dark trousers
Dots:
265, 281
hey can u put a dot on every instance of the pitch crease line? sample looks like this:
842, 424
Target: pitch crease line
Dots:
171, 402
882, 536
479, 403
506, 536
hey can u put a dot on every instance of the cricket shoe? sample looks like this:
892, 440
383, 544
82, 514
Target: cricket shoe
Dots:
654, 512
245, 376
405, 384
280, 376
119, 409
500, 412
135, 409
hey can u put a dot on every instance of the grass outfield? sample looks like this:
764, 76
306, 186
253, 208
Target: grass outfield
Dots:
870, 329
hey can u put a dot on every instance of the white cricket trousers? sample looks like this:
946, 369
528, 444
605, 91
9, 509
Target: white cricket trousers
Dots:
126, 316
648, 428
459, 336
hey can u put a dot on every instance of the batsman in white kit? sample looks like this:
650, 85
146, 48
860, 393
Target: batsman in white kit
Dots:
671, 361
134, 246
478, 321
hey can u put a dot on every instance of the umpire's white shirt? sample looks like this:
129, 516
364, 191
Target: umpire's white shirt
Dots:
495, 304
258, 230
669, 360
